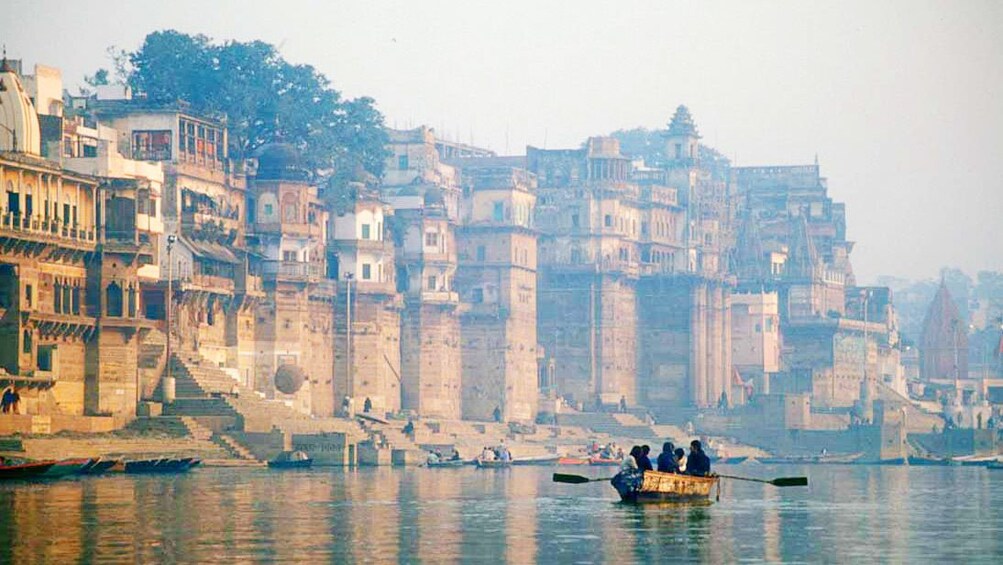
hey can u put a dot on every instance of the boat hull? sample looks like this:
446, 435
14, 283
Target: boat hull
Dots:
24, 471
482, 464
605, 462
447, 464
543, 460
572, 461
298, 464
653, 486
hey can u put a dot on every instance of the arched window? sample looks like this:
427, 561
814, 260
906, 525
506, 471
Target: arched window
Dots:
114, 300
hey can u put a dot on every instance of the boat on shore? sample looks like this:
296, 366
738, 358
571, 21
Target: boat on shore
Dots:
97, 466
66, 467
653, 486
162, 466
448, 463
811, 459
537, 460
493, 464
24, 470
730, 460
291, 460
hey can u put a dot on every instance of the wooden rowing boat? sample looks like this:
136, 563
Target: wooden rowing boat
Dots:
652, 486
537, 460
448, 463
572, 461
66, 467
600, 462
495, 464
24, 470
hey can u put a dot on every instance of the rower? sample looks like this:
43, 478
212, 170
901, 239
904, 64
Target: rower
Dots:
698, 463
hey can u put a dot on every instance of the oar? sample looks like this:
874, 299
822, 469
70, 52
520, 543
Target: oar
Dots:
576, 479
781, 482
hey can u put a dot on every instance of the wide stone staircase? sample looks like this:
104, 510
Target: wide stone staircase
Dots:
204, 391
613, 425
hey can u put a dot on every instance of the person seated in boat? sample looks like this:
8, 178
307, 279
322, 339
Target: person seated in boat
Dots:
667, 459
644, 462
681, 459
455, 456
433, 457
698, 463
504, 454
629, 464
487, 454
619, 454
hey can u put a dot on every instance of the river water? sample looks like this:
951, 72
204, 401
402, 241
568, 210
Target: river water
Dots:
848, 514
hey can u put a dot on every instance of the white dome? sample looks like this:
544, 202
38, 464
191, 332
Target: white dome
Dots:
18, 120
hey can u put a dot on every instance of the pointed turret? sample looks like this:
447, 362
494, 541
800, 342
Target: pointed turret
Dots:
944, 343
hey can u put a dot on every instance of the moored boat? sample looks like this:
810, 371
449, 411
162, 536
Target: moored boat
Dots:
538, 460
163, 465
66, 467
601, 462
730, 460
995, 465
572, 461
97, 467
447, 463
652, 486
493, 464
291, 460
24, 470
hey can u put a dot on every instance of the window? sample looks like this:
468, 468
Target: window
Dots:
498, 211
431, 239
57, 293
679, 151
367, 271
402, 163
365, 231
431, 283
27, 341
151, 145
481, 253
269, 210
13, 200
75, 300
289, 256
114, 300
608, 221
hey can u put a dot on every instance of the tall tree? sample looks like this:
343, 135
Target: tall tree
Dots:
264, 98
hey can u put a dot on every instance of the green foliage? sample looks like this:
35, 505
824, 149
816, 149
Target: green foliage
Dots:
264, 97
99, 78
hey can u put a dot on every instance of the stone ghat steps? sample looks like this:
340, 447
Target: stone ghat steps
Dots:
604, 423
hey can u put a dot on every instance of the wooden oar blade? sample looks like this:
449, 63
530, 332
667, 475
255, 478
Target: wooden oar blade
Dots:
570, 479
790, 482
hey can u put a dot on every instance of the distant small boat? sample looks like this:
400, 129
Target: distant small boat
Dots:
493, 464
24, 470
291, 460
572, 461
730, 460
652, 486
810, 459
163, 465
601, 462
538, 460
995, 465
930, 462
448, 463
97, 466
66, 467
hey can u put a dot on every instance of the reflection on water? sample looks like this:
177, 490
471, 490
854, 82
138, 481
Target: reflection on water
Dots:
849, 514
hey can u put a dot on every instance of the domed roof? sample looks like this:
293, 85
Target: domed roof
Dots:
289, 378
20, 131
280, 161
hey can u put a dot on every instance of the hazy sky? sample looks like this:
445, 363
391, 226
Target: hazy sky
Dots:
902, 101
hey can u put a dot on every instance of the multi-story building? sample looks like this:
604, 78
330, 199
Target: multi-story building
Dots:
497, 282
294, 332
70, 300
204, 207
361, 258
425, 194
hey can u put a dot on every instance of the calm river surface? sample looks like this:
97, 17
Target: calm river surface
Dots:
849, 514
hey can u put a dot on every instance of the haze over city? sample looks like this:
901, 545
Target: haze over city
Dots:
898, 100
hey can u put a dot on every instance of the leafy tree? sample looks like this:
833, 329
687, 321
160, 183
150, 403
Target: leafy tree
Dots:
264, 97
99, 78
